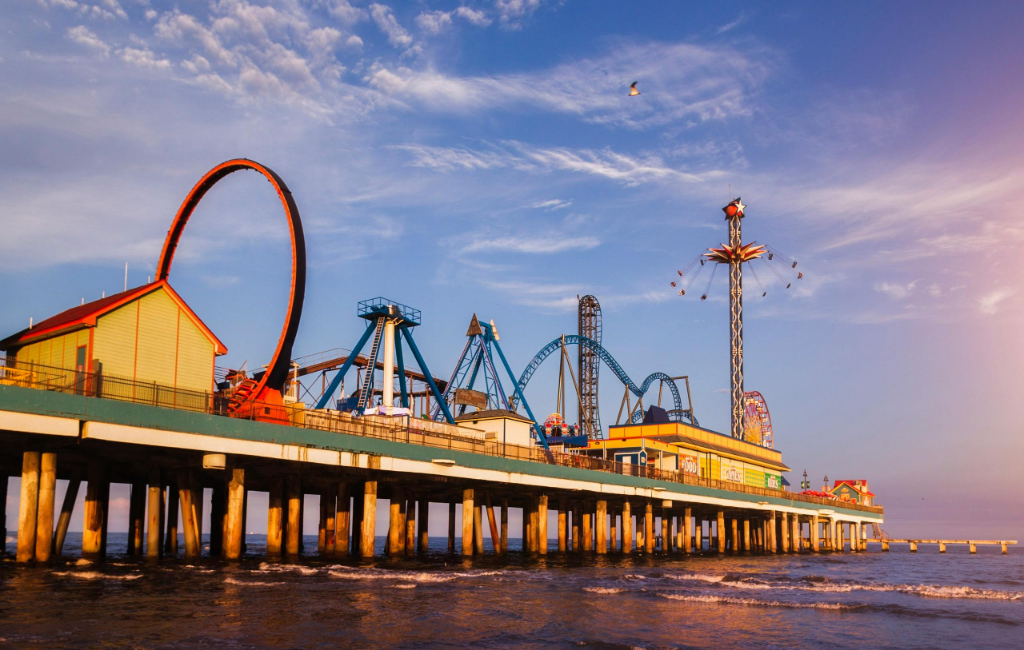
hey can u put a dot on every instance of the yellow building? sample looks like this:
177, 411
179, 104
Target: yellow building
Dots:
146, 335
693, 451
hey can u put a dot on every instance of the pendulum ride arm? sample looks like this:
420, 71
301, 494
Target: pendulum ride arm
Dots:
426, 374
336, 382
522, 399
401, 374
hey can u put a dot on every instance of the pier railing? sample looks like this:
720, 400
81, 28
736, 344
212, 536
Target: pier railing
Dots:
404, 429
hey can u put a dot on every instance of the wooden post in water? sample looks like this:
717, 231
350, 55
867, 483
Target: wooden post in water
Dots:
330, 497
171, 527
542, 524
666, 532
478, 529
587, 529
423, 521
720, 531
794, 533
188, 517
218, 517
451, 527
136, 518
198, 501
627, 527
321, 527
492, 521
504, 526
576, 540
410, 526
815, 547
342, 520
154, 514
275, 517
3, 512
563, 522
358, 498
396, 529
47, 502
602, 526
66, 510
234, 530
27, 507
649, 527
467, 522
687, 530
97, 494
772, 534
369, 525
293, 529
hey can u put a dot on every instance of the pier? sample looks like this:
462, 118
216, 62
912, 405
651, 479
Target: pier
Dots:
972, 544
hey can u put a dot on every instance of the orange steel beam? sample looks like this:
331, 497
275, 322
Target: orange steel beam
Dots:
277, 375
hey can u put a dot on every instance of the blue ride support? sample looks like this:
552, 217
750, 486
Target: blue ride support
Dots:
336, 382
401, 374
426, 373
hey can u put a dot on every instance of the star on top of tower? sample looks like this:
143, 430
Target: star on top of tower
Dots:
734, 209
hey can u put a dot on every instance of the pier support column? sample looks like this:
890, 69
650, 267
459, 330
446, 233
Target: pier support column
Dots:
666, 531
734, 539
885, 545
542, 524
1003, 547
577, 520
66, 510
293, 529
368, 527
478, 528
47, 502
601, 519
492, 522
795, 534
275, 517
467, 523
410, 527
27, 507
562, 523
626, 525
329, 503
613, 541
423, 522
97, 498
720, 531
342, 520
587, 532
171, 526
154, 514
973, 548
396, 523
942, 547
234, 529
451, 527
218, 517
913, 547
746, 534
649, 527
772, 533
504, 526
136, 518
815, 547
188, 514
3, 512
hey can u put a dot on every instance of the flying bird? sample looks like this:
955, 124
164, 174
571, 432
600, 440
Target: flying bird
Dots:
632, 90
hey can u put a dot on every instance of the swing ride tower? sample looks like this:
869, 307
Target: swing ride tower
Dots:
735, 254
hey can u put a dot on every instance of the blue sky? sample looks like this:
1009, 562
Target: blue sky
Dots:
483, 157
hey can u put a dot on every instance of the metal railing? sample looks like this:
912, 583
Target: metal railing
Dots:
402, 429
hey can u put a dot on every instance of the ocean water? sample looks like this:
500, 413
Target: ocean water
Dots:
864, 600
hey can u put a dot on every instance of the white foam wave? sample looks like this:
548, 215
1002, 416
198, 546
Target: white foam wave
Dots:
634, 576
604, 590
404, 585
10, 539
83, 562
266, 567
355, 573
752, 602
251, 583
926, 591
96, 575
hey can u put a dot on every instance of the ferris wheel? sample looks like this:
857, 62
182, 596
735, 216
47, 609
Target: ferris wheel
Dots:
757, 421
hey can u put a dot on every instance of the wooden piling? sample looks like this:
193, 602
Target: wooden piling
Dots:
321, 527
734, 539
627, 526
136, 518
601, 519
28, 506
154, 514
218, 517
815, 547
478, 530
235, 528
293, 528
649, 527
330, 497
451, 527
342, 520
504, 526
720, 531
3, 512
188, 517
492, 522
795, 536
687, 530
542, 524
396, 527
576, 539
171, 527
66, 510
369, 524
772, 534
358, 500
666, 532
913, 547
410, 527
563, 533
97, 497
275, 517
44, 510
467, 522
198, 501
423, 522
587, 532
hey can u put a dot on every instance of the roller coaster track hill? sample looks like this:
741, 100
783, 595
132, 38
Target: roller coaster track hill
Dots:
677, 412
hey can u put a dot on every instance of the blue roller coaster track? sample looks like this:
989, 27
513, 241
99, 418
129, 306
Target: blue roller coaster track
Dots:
677, 412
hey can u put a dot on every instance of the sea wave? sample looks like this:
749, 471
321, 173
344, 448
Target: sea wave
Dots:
753, 602
267, 567
251, 583
604, 590
96, 575
824, 585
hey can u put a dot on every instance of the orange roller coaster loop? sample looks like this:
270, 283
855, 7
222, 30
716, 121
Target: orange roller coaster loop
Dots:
271, 384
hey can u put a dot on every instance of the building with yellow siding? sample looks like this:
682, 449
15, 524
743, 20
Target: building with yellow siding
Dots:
146, 335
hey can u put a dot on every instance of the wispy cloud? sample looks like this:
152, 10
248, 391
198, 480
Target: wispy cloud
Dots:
895, 290
990, 303
742, 18
551, 205
537, 244
512, 13
85, 36
386, 22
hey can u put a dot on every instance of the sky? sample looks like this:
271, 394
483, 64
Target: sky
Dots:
484, 157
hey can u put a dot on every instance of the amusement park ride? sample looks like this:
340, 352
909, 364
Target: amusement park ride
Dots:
388, 322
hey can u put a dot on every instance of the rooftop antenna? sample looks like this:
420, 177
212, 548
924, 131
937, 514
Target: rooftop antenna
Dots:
126, 276
30, 322
103, 294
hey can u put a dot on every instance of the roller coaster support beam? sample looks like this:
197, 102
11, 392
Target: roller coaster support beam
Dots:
426, 373
336, 382
522, 398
